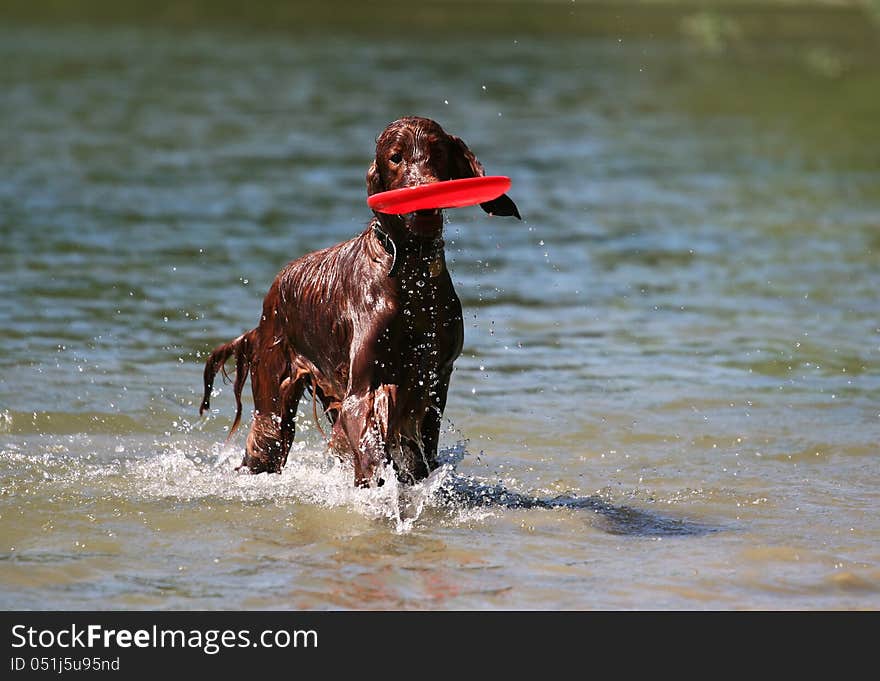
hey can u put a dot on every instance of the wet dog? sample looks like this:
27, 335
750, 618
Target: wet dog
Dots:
371, 326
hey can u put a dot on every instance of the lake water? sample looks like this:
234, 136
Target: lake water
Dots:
669, 395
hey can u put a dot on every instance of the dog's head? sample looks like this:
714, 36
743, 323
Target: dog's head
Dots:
413, 151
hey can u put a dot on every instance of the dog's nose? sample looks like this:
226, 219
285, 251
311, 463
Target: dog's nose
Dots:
419, 176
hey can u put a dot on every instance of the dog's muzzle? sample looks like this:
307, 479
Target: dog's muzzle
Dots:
425, 223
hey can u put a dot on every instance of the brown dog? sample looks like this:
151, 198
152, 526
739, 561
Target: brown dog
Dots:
371, 326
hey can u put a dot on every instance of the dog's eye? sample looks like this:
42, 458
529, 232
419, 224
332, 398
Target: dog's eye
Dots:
396, 157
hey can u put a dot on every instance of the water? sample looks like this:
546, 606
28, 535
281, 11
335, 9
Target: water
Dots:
668, 392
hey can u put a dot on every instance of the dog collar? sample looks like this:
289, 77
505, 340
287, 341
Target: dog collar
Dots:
388, 244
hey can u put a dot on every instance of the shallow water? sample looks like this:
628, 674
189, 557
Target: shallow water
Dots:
668, 396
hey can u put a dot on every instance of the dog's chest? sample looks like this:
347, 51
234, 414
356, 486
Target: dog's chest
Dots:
427, 303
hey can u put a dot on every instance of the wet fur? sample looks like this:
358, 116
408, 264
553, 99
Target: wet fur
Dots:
370, 327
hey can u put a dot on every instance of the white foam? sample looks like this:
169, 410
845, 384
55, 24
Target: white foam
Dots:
188, 469
310, 476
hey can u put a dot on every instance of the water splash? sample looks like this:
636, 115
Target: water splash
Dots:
189, 470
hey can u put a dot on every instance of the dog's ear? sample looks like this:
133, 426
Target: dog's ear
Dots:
374, 181
463, 163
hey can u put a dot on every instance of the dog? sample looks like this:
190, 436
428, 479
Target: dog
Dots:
371, 326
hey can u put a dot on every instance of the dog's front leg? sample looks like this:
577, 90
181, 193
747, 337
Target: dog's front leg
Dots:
366, 417
364, 429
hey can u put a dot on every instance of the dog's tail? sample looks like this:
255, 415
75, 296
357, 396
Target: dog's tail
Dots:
241, 348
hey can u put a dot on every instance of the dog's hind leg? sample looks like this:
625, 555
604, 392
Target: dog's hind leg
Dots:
276, 391
292, 389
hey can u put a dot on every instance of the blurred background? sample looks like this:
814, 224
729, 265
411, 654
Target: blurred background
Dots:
685, 324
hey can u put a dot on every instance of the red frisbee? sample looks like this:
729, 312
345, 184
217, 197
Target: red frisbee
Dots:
468, 191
